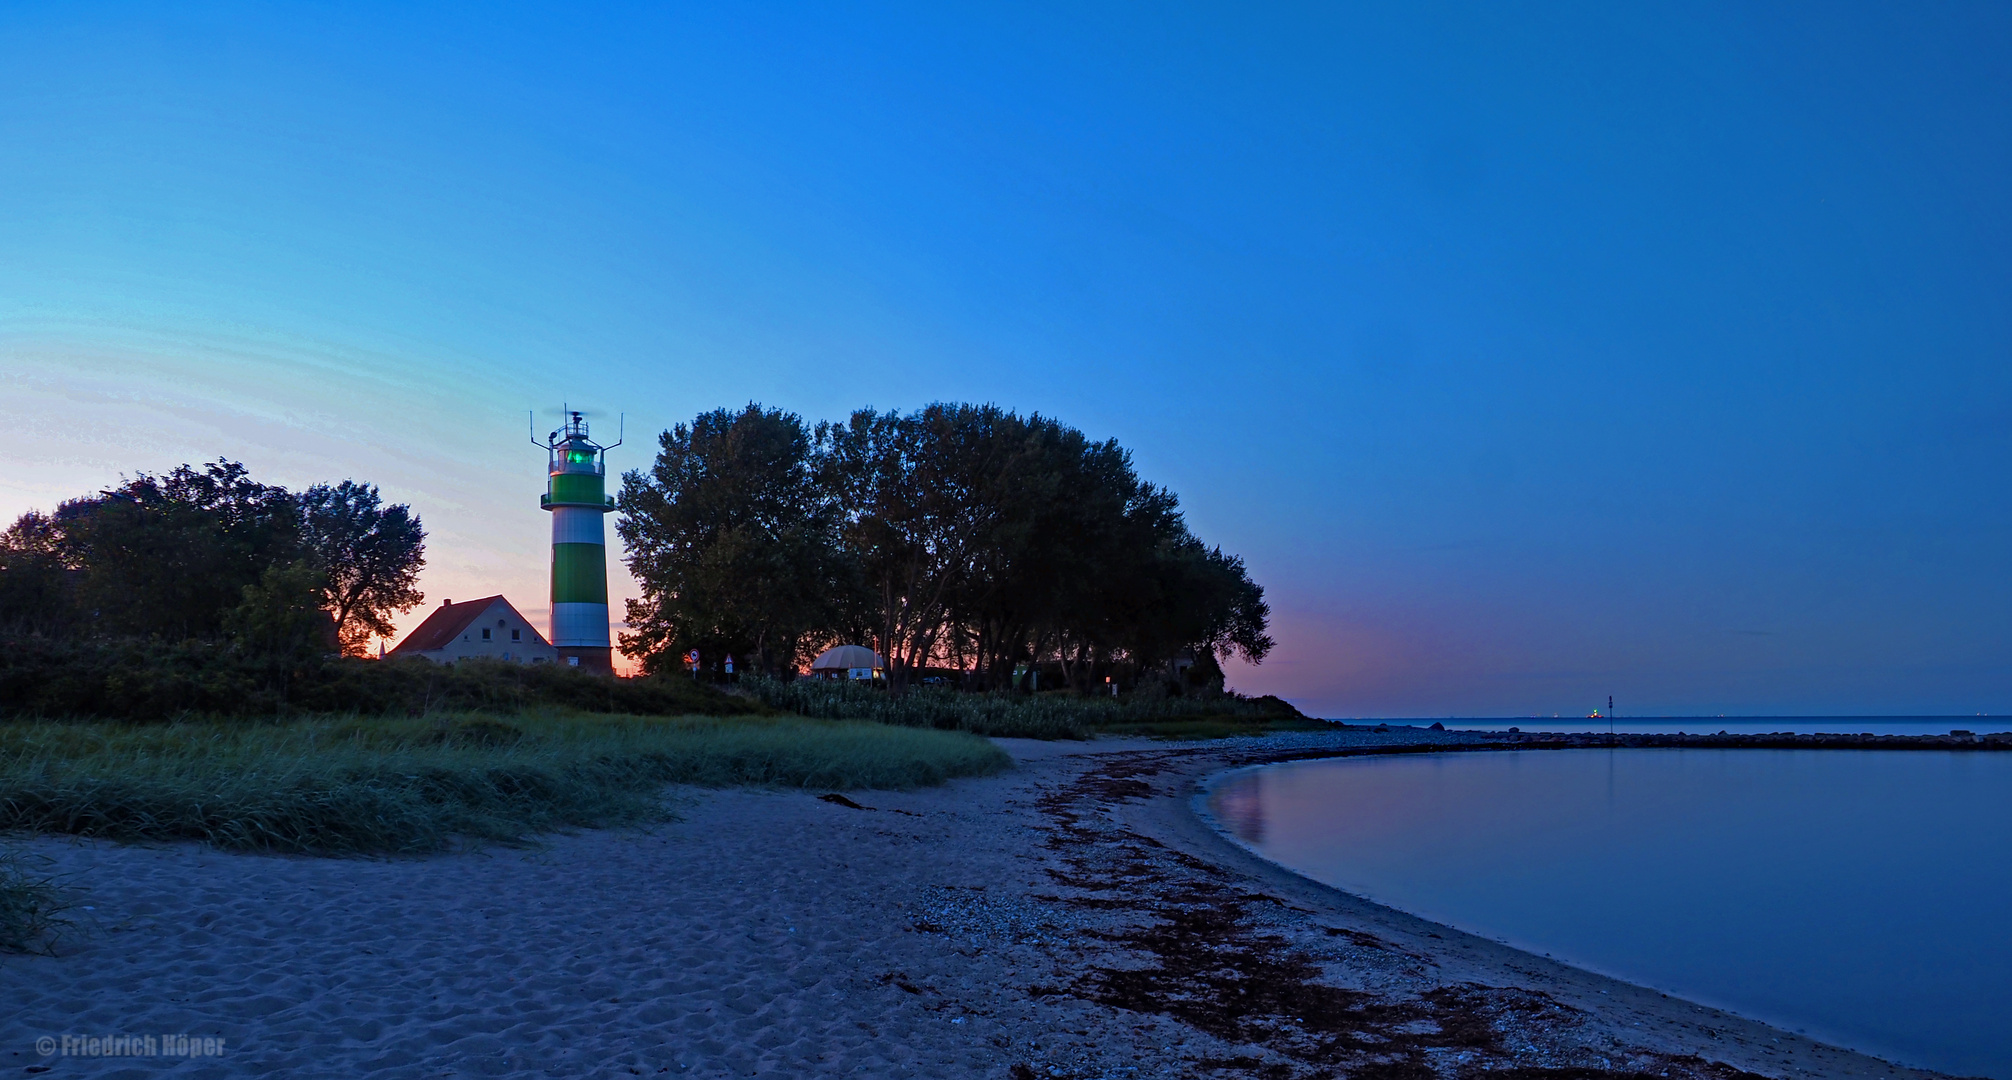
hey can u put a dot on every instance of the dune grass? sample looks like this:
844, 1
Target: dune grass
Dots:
397, 785
31, 904
1055, 715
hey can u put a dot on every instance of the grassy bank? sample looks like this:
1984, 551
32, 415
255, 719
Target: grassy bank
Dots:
337, 786
147, 680
1032, 716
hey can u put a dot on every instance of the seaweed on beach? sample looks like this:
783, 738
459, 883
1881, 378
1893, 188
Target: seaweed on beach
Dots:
1186, 943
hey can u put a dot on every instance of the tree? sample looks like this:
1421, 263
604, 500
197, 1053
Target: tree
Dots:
37, 584
283, 616
1194, 599
957, 535
282, 622
169, 555
924, 498
733, 542
370, 554
1050, 546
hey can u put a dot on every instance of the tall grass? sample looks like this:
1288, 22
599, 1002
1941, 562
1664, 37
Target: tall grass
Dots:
31, 905
351, 785
1033, 716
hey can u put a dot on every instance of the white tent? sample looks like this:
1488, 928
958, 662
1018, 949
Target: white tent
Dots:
847, 662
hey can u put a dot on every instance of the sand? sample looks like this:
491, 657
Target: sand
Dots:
1072, 918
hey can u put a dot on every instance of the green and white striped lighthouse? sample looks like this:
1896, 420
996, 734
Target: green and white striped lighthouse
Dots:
576, 494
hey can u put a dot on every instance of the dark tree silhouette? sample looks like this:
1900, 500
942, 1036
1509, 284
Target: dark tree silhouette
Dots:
733, 542
958, 536
370, 555
178, 557
37, 584
166, 556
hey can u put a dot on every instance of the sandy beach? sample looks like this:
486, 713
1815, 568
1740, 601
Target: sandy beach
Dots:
1070, 918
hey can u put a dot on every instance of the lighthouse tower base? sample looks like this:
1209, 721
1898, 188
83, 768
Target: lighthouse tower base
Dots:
600, 660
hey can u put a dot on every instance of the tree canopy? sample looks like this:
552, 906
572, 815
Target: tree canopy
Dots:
207, 553
957, 536
733, 540
369, 553
170, 555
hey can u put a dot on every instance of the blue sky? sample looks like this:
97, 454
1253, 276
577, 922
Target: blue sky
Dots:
1528, 353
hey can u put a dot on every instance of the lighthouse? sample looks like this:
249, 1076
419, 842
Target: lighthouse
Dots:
576, 494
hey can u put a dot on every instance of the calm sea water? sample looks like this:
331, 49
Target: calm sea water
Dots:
1863, 897
1711, 725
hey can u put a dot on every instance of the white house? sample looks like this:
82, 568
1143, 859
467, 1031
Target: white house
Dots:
488, 628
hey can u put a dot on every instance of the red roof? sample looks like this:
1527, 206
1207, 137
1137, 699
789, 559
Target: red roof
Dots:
448, 621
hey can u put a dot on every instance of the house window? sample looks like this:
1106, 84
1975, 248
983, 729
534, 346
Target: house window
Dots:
516, 635
485, 633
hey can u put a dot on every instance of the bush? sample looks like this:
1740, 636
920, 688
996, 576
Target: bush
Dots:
338, 786
139, 680
1058, 715
413, 687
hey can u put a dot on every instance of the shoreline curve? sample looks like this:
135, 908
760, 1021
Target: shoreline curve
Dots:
1199, 804
1611, 1007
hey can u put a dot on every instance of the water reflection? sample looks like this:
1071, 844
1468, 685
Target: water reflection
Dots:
1240, 808
1858, 895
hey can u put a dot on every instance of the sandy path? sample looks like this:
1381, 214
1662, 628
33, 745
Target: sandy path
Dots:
1068, 919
